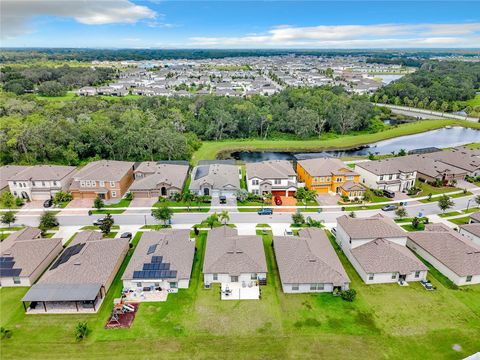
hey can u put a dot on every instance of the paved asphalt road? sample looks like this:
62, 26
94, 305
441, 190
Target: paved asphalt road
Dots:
143, 216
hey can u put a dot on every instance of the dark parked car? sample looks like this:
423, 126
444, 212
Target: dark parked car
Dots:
223, 199
126, 235
390, 207
48, 203
98, 222
278, 200
265, 211
388, 193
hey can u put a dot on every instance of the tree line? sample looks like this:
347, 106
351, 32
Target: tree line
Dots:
34, 130
437, 85
52, 81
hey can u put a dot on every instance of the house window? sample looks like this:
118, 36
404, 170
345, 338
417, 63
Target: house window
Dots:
390, 177
328, 178
278, 181
316, 287
370, 276
33, 183
14, 193
339, 179
469, 278
157, 284
215, 277
16, 280
82, 183
381, 177
55, 183
350, 177
322, 179
139, 285
43, 183
102, 183
112, 183
394, 276
14, 183
295, 287
417, 274
114, 194
234, 278
254, 182
315, 179
173, 285
253, 276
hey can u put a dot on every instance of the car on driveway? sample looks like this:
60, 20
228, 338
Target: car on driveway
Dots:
265, 211
334, 231
278, 200
48, 203
126, 235
390, 207
388, 193
223, 199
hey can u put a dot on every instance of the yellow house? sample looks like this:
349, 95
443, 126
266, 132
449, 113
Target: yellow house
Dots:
327, 175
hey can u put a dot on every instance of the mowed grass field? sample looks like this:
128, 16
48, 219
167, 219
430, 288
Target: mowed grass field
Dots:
210, 149
384, 322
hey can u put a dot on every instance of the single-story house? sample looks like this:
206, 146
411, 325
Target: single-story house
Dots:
471, 231
80, 277
475, 217
162, 261
308, 263
24, 256
452, 254
41, 182
215, 179
236, 261
460, 157
328, 175
159, 178
431, 170
274, 176
376, 247
107, 179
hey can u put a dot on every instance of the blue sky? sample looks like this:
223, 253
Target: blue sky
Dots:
240, 24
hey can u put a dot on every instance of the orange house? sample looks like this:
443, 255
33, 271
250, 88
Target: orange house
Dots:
327, 175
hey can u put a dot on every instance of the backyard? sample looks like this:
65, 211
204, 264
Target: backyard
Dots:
385, 321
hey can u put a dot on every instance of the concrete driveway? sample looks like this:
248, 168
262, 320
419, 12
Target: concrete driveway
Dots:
327, 199
80, 204
143, 202
462, 184
231, 201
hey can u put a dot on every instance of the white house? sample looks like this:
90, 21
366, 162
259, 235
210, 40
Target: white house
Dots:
308, 263
392, 174
452, 254
162, 262
471, 231
275, 176
236, 262
41, 182
376, 247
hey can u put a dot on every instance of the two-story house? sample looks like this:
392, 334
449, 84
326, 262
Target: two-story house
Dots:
41, 182
328, 175
275, 176
376, 247
107, 179
394, 174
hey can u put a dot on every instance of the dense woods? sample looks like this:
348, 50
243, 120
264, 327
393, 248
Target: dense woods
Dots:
153, 128
437, 85
52, 81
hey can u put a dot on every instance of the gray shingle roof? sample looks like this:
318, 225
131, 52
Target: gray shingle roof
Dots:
473, 228
387, 166
308, 258
173, 175
44, 172
228, 253
453, 250
7, 172
377, 226
220, 176
383, 256
273, 169
475, 216
174, 246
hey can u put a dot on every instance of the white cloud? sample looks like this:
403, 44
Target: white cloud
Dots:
354, 36
16, 15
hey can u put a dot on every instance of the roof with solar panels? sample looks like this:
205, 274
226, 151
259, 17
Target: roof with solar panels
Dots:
89, 261
162, 255
22, 252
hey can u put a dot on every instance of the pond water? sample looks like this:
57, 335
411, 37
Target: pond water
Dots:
440, 138
387, 79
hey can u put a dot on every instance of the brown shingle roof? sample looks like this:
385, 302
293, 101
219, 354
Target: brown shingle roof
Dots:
326, 167
44, 172
453, 250
383, 256
174, 246
475, 216
7, 172
308, 258
171, 174
377, 226
473, 228
104, 170
273, 169
228, 253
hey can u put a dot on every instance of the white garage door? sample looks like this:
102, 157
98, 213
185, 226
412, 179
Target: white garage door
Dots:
392, 187
40, 196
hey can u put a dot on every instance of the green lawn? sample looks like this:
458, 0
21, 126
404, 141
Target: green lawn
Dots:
434, 190
461, 220
408, 219
96, 212
210, 149
448, 214
122, 203
409, 227
156, 227
384, 322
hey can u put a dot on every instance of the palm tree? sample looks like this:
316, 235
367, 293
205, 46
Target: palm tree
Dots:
224, 217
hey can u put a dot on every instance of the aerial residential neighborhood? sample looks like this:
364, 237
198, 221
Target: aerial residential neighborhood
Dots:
239, 180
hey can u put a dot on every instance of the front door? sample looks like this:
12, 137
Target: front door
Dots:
163, 191
206, 191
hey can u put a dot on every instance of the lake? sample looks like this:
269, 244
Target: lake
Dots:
440, 138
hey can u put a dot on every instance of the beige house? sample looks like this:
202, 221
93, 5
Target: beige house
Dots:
159, 178
80, 278
107, 179
24, 256
7, 172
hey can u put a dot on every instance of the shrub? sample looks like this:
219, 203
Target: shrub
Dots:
349, 295
18, 202
81, 330
345, 198
129, 196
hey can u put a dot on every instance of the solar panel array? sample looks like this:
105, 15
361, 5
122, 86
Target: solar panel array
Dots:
6, 267
67, 254
155, 269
